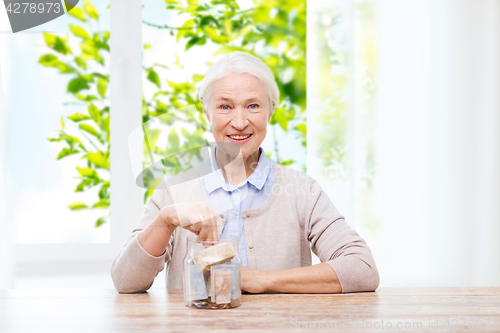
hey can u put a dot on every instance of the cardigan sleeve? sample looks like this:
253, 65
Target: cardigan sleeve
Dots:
336, 243
133, 270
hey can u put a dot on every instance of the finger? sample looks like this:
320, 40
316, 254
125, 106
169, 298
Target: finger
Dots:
188, 227
210, 223
204, 232
213, 234
195, 227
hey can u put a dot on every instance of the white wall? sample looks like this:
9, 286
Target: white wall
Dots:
437, 186
6, 246
439, 142
126, 115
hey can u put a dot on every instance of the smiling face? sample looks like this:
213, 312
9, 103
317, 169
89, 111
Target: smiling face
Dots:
239, 110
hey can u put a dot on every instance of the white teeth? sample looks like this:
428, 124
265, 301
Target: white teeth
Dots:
239, 137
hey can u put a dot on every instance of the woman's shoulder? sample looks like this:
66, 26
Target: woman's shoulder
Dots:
295, 182
289, 174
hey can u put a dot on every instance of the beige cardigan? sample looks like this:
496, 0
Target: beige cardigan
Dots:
296, 217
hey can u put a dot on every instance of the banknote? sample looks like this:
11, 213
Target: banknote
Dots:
221, 285
235, 278
215, 254
195, 283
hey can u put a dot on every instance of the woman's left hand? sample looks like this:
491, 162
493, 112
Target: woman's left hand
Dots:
253, 280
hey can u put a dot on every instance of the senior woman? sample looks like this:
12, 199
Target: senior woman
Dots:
279, 214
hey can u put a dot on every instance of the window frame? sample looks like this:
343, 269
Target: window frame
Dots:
125, 99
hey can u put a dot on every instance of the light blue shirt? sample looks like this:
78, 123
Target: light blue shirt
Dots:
226, 198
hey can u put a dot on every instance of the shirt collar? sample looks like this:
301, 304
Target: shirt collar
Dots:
215, 179
259, 176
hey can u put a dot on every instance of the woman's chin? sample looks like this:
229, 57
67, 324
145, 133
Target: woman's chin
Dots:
238, 150
229, 148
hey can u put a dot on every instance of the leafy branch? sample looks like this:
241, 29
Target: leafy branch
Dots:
275, 31
89, 135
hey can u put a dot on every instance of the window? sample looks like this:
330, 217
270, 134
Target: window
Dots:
40, 188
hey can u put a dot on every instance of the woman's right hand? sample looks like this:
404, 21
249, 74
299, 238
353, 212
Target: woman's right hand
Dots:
198, 217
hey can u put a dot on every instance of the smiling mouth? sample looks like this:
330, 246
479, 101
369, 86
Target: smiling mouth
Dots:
239, 137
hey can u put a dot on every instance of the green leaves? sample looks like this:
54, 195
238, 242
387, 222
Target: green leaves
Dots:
50, 60
99, 159
153, 77
90, 9
65, 152
77, 117
89, 129
92, 48
302, 128
56, 43
102, 86
77, 84
78, 14
186, 31
86, 184
197, 40
104, 203
79, 31
100, 221
273, 31
88, 133
94, 113
70, 139
281, 117
80, 62
173, 140
87, 172
77, 206
104, 191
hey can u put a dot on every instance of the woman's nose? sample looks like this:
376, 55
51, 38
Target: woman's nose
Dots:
239, 121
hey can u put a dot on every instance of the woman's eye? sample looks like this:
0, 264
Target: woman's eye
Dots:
224, 107
253, 106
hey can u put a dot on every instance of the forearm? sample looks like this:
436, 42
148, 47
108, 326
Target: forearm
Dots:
133, 269
316, 279
140, 260
155, 238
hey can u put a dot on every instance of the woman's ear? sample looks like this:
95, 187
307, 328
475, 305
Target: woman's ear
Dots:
207, 114
270, 114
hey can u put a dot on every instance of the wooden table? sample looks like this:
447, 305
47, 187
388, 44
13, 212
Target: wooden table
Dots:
420, 309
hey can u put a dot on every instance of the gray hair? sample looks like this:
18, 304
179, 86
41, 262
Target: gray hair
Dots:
239, 63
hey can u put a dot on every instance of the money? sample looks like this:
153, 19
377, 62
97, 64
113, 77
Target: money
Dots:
216, 254
235, 279
195, 283
207, 304
212, 279
221, 285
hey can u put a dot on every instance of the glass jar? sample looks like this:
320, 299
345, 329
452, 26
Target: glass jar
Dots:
212, 274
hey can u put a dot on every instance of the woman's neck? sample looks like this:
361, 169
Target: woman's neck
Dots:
236, 170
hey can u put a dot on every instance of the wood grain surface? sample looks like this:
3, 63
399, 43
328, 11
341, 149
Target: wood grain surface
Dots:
413, 309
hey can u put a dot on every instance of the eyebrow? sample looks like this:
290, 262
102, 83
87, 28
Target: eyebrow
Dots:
249, 100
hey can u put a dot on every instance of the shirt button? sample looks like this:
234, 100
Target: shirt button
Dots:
236, 191
234, 217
